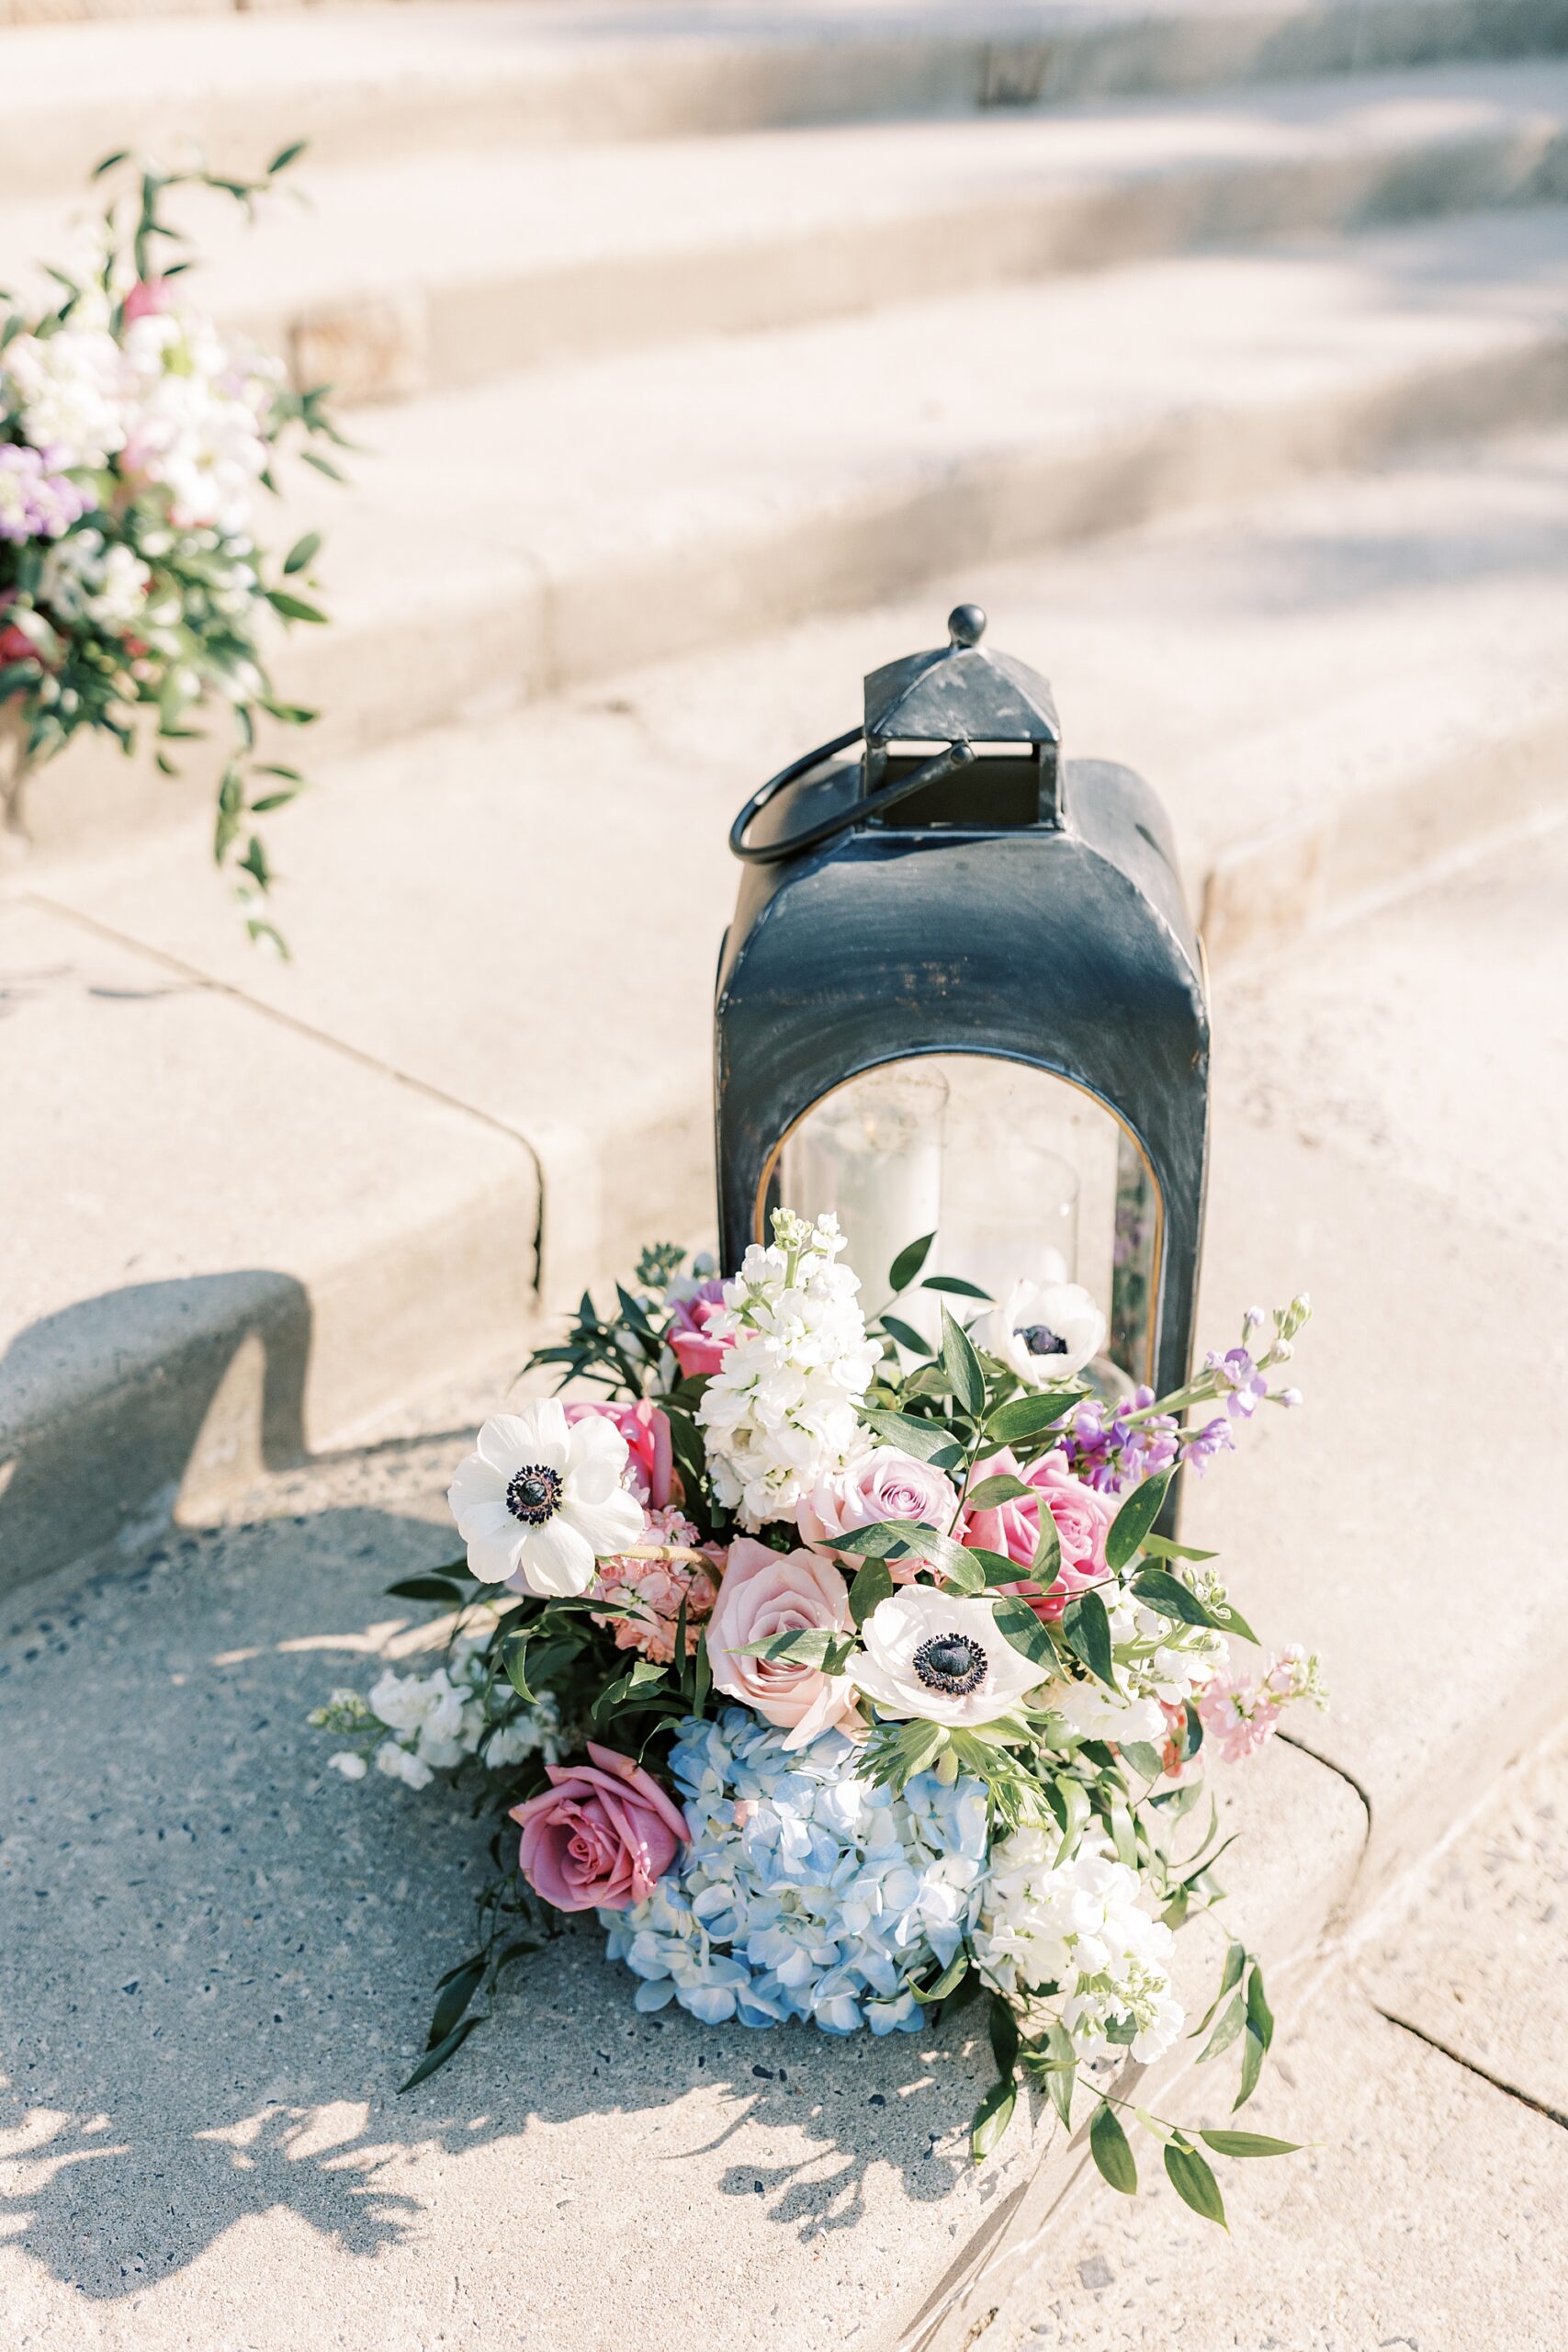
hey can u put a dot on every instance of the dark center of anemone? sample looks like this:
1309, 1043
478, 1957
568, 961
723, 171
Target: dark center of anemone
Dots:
1040, 1341
534, 1494
950, 1663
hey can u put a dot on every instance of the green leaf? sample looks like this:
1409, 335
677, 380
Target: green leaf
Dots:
294, 608
906, 1265
1252, 2056
1108, 2146
1229, 1619
1247, 2144
962, 1366
434, 2060
322, 465
1232, 2019
956, 1286
905, 1335
1158, 1588
947, 1983
964, 1573
120, 155
1017, 1623
925, 1440
461, 1983
287, 155
302, 552
870, 1586
1236, 1961
513, 1658
1087, 1629
1145, 1760
1135, 1518
1259, 2015
1027, 1417
1004, 2036
1195, 2183
991, 2118
1046, 1565
450, 1596
1001, 1488
1161, 1548
1063, 2076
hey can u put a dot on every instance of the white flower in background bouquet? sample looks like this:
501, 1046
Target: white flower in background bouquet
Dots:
842, 1691
137, 443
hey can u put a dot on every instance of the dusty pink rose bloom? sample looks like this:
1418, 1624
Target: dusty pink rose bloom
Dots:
887, 1483
763, 1593
146, 296
600, 1837
655, 1589
1080, 1516
650, 1473
690, 1342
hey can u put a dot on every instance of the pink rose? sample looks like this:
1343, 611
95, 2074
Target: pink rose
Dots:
885, 1484
146, 296
765, 1593
600, 1837
1079, 1515
691, 1341
650, 1473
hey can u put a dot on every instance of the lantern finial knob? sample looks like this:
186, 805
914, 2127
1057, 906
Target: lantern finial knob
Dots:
967, 625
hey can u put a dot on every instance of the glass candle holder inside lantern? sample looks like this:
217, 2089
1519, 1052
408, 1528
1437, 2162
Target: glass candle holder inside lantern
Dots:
962, 994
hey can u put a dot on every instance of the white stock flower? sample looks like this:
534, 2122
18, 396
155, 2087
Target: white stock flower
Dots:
1077, 1925
69, 388
782, 1410
352, 1767
939, 1657
106, 585
1043, 1331
402, 1764
540, 1500
193, 425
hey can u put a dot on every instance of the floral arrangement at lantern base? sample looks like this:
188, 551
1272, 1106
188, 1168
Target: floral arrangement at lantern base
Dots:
845, 1680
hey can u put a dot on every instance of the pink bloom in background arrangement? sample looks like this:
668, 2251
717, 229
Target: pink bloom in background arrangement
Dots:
1078, 1513
766, 1592
689, 1339
884, 1484
656, 1589
601, 1837
650, 1472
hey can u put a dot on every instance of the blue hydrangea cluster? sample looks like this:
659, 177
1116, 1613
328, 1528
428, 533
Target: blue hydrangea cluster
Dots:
805, 1893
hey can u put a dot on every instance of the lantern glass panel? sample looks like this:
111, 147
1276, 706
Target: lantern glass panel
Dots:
1020, 1174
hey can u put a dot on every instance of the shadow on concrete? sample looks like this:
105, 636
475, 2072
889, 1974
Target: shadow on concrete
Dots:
121, 1405
219, 1956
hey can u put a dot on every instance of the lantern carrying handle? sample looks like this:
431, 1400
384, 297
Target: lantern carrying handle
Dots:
943, 764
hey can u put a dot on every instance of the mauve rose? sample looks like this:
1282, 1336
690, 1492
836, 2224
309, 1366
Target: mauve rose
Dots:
600, 1837
887, 1483
1080, 1516
148, 296
690, 1342
650, 1473
766, 1592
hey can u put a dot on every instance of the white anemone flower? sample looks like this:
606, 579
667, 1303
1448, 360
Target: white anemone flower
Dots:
540, 1501
1043, 1331
939, 1657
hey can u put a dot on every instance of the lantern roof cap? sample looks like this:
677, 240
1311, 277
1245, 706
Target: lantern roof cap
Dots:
961, 693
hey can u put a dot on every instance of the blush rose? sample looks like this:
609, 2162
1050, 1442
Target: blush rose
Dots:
689, 1339
887, 1483
1079, 1515
600, 1837
763, 1593
651, 1470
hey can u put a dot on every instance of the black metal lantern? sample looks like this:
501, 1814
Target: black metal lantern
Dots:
961, 991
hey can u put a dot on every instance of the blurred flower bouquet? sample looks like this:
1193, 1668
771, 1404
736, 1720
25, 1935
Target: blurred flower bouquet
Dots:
134, 437
844, 1677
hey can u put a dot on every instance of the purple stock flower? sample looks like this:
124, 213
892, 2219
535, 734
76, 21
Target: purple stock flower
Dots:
34, 502
1242, 1377
1200, 1446
1109, 1454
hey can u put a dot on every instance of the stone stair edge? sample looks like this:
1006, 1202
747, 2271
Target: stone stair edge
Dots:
535, 582
275, 75
890, 212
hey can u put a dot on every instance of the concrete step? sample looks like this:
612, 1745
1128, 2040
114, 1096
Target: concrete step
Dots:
1368, 2237
362, 82
536, 533
1337, 691
448, 268
259, 1970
